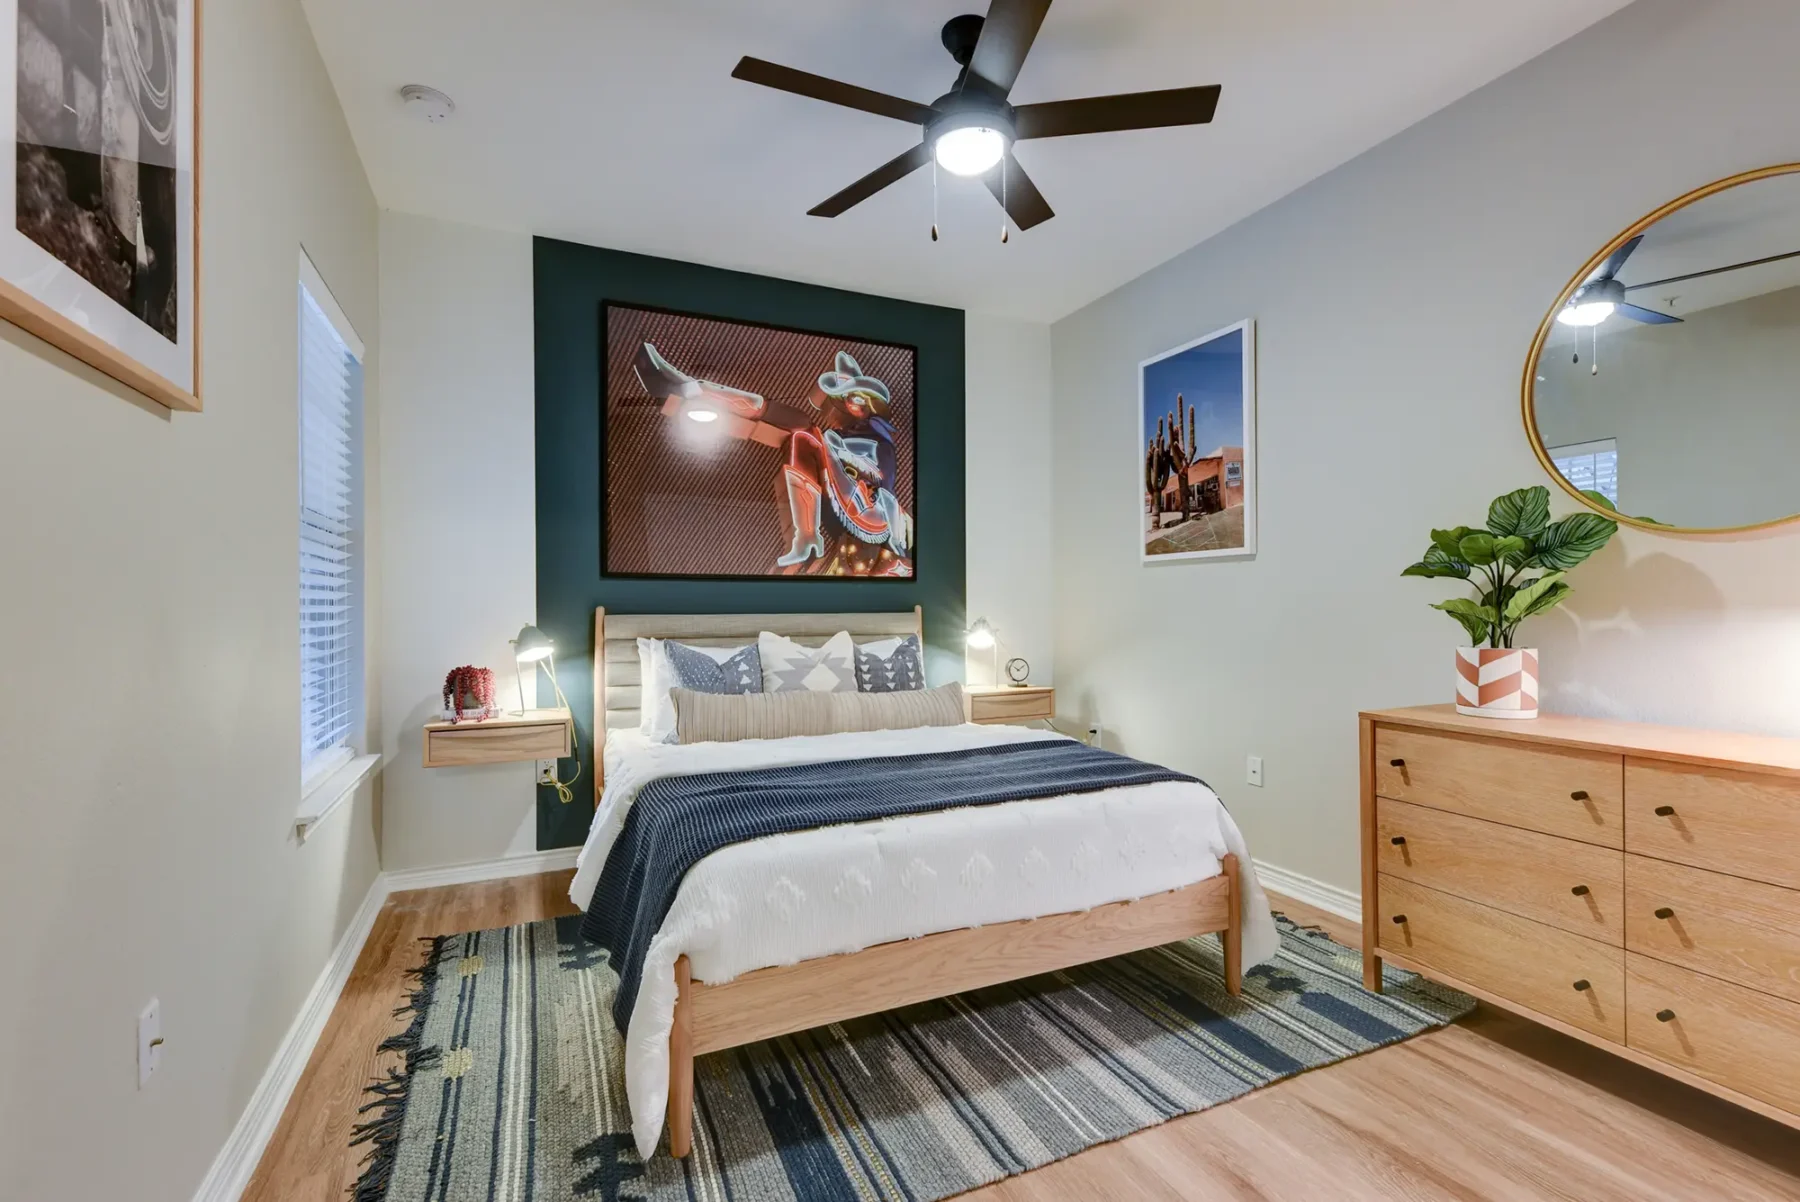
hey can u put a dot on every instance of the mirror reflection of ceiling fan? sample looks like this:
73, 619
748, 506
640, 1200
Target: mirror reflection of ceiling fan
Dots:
970, 130
1602, 295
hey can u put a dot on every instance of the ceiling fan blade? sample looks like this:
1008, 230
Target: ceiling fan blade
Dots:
1611, 268
1105, 114
1024, 203
1649, 317
1006, 37
889, 172
831, 91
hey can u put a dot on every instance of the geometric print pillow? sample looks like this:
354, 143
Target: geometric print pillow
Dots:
788, 667
696, 669
890, 666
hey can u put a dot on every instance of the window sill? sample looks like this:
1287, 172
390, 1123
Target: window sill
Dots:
330, 792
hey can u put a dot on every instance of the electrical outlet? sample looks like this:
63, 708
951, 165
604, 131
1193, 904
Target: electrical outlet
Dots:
1253, 770
149, 1041
546, 772
1093, 735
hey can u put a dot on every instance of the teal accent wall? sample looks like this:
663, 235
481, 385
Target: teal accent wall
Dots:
571, 283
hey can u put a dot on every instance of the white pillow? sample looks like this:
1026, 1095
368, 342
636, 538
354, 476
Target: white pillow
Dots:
656, 713
788, 667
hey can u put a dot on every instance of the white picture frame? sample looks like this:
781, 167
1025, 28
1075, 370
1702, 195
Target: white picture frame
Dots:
1196, 499
99, 186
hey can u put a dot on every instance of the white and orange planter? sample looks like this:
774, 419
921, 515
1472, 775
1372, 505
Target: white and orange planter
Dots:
1497, 682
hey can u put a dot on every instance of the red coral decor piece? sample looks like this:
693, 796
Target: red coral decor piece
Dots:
469, 692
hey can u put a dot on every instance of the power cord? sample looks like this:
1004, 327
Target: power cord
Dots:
564, 793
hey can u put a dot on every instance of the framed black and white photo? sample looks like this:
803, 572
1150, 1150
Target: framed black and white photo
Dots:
1197, 436
99, 201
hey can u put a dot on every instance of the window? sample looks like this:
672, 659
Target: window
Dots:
331, 531
1590, 466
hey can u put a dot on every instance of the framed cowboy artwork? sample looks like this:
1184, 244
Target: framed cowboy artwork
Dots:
733, 450
1197, 437
99, 199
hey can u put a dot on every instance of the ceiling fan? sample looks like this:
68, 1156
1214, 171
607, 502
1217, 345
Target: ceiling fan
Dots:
970, 130
1602, 295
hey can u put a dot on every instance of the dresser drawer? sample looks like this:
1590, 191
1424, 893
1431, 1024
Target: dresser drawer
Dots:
1574, 794
1575, 886
1743, 931
1744, 1040
1728, 821
1530, 964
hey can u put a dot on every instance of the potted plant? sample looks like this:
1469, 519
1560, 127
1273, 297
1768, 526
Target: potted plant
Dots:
1517, 562
469, 693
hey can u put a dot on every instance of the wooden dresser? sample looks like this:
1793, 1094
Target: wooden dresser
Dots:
1637, 887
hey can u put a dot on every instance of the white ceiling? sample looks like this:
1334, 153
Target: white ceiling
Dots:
616, 122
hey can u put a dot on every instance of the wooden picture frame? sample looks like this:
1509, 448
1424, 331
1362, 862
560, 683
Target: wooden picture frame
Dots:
75, 101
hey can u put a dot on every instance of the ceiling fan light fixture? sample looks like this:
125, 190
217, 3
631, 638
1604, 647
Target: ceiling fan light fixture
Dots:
970, 150
1588, 313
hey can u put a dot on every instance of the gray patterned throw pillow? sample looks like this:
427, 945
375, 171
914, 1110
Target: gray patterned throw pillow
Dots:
890, 666
695, 669
789, 667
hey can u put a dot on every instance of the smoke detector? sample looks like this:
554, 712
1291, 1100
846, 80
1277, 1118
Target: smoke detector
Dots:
426, 103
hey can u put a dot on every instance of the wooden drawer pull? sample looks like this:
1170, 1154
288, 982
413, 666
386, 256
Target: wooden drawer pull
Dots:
1399, 918
1583, 985
1398, 840
1665, 1016
1580, 891
1665, 811
1665, 912
1579, 795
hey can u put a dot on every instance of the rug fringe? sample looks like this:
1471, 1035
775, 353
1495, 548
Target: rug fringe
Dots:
382, 1132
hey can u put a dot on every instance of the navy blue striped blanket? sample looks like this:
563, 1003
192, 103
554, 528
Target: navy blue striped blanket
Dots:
677, 821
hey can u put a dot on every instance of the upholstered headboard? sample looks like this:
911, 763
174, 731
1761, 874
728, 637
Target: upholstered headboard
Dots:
618, 697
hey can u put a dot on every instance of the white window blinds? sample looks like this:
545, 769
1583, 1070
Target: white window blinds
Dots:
331, 534
1590, 466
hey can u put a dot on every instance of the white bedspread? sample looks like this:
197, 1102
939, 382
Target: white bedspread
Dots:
786, 898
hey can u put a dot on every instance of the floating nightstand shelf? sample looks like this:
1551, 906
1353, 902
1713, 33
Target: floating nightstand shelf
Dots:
533, 735
1010, 705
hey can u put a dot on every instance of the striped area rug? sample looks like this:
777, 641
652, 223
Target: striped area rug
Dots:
512, 1089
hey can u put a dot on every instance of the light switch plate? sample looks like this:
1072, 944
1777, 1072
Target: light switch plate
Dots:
1253, 770
149, 1041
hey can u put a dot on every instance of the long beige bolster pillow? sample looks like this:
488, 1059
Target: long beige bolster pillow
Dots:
730, 717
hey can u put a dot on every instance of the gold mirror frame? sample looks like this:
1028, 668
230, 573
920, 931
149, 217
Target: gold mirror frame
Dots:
1528, 389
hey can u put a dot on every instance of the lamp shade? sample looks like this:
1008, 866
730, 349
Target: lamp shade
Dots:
532, 645
979, 636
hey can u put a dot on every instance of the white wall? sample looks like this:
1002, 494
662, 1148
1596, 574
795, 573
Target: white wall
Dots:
1009, 497
1395, 299
148, 626
458, 415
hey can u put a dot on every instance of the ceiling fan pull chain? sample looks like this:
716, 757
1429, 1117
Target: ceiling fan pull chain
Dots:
934, 236
1003, 235
1595, 369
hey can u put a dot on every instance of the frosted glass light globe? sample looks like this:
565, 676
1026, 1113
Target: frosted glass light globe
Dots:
970, 150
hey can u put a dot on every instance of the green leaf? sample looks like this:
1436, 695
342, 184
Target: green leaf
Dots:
1437, 563
1512, 549
1478, 549
1451, 540
1523, 512
1478, 620
1600, 499
1568, 541
1552, 597
1519, 606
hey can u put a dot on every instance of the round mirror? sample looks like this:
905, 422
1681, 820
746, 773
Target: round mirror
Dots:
1664, 384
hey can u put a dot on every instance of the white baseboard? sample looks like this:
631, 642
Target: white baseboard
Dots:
1329, 898
237, 1160
529, 864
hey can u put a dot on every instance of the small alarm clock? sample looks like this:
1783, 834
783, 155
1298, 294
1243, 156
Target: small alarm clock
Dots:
1018, 671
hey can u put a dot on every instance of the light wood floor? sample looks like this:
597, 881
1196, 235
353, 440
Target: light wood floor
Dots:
1492, 1108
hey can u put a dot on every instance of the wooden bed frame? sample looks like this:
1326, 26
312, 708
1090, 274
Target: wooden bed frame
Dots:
796, 997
